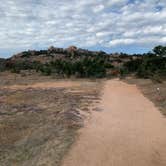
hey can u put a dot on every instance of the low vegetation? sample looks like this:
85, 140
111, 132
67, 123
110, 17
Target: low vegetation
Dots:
150, 65
2, 65
86, 67
83, 63
38, 125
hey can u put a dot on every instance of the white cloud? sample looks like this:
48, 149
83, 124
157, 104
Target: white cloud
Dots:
121, 41
85, 23
98, 8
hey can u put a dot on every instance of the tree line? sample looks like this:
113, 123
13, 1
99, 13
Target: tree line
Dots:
149, 65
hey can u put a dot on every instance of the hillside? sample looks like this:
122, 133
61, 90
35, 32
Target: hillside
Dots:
78, 62
70, 53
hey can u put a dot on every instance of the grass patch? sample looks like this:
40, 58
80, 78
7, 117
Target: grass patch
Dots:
37, 126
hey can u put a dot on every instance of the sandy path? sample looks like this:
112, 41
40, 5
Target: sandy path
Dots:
130, 131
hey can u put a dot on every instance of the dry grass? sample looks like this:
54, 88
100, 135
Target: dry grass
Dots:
155, 91
37, 126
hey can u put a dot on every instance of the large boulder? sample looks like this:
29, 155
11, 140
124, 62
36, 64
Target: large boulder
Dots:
72, 49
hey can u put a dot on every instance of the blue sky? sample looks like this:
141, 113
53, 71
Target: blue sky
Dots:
131, 26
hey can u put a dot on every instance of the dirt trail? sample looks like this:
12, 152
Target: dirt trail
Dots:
130, 131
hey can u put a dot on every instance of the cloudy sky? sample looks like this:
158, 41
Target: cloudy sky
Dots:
110, 25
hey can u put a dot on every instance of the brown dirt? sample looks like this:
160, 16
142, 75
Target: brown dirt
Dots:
44, 85
39, 120
153, 90
128, 131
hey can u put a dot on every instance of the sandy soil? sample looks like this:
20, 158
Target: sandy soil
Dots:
44, 85
39, 120
129, 131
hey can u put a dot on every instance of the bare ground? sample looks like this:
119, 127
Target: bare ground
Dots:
155, 91
39, 117
129, 131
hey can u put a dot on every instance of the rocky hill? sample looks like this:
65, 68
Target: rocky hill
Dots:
77, 62
53, 53
71, 53
68, 61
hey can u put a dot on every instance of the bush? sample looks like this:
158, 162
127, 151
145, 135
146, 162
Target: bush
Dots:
85, 67
17, 66
160, 50
152, 66
2, 65
133, 65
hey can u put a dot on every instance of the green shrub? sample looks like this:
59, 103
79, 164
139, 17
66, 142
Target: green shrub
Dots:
133, 65
85, 67
2, 65
150, 66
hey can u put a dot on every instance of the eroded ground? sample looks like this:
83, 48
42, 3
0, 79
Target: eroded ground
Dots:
129, 131
39, 117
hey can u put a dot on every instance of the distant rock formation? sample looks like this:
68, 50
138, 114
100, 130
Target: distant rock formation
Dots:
72, 49
70, 53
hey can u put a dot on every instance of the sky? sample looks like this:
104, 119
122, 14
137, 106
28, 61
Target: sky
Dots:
131, 26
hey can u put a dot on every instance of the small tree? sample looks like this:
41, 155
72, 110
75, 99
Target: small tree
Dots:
160, 50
